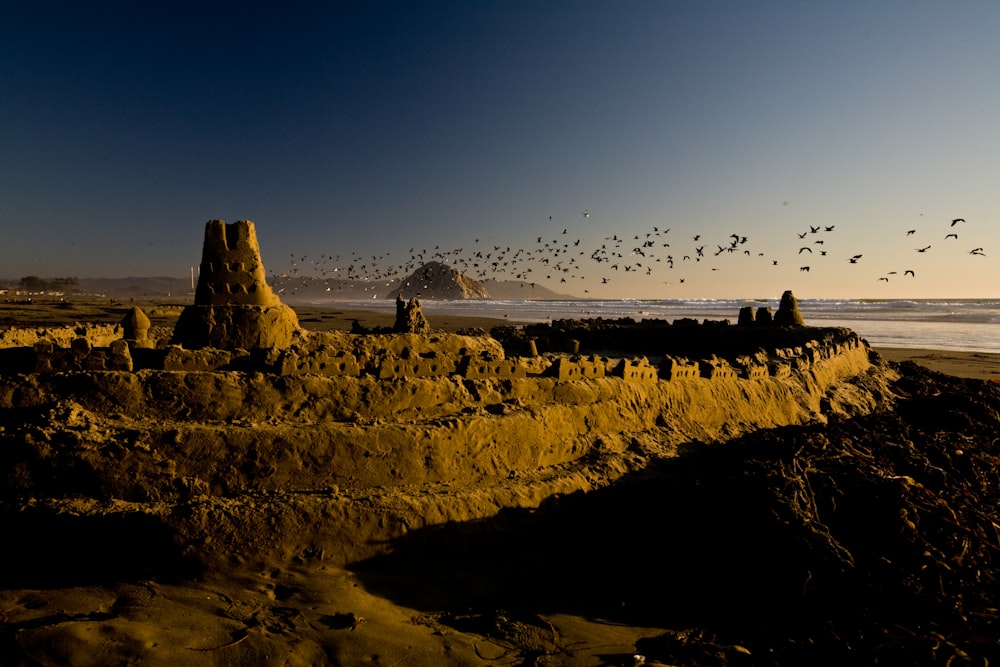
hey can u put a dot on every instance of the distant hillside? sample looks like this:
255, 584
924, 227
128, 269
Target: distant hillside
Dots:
155, 286
510, 290
312, 290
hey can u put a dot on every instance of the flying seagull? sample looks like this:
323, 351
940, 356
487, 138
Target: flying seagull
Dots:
956, 221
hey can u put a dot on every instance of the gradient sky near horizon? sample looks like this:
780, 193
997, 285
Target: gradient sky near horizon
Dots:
365, 129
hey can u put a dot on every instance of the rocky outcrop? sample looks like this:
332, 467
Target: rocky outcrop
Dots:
234, 307
436, 280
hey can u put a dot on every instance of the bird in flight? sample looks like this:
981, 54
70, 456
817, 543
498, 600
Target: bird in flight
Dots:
805, 248
586, 213
924, 249
956, 221
911, 232
909, 272
977, 251
951, 236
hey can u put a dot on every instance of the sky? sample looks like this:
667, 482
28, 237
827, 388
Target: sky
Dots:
365, 137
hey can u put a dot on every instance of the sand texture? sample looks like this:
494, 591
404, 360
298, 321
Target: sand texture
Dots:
380, 499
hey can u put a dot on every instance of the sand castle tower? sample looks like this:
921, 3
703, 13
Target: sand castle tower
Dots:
788, 314
234, 308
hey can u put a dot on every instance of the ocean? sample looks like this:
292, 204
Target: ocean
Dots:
967, 325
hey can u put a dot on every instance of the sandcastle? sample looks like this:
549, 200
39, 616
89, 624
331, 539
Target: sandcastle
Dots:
234, 308
240, 402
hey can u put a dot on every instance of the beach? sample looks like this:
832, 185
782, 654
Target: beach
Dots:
978, 365
544, 564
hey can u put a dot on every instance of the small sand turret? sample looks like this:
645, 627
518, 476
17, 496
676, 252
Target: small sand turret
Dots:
234, 308
410, 317
135, 328
788, 314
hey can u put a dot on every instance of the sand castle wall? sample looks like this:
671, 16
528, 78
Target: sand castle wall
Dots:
366, 430
97, 335
308, 439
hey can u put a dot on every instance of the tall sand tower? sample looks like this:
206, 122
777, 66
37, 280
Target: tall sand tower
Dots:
234, 308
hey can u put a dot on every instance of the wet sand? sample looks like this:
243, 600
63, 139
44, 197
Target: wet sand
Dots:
979, 365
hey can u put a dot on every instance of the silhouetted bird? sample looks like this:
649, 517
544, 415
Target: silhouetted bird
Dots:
956, 221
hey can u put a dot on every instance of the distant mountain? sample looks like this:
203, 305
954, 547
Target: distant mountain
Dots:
436, 280
512, 290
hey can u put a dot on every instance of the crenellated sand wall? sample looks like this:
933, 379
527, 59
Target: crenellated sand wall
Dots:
358, 439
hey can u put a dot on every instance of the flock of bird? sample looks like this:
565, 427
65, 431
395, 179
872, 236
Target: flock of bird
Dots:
561, 262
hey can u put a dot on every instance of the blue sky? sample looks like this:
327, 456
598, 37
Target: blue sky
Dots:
362, 130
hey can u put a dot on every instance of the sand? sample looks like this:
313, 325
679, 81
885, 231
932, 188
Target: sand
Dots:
979, 365
680, 563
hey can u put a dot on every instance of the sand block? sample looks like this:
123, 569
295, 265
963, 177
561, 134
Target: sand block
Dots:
677, 368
